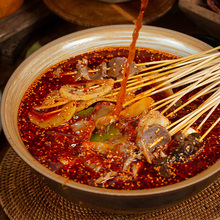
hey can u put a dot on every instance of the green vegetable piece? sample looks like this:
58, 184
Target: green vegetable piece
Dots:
113, 131
32, 49
103, 136
85, 112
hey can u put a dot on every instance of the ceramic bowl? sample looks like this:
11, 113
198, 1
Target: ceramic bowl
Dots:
75, 44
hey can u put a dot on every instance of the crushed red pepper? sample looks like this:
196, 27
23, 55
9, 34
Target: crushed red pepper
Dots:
58, 148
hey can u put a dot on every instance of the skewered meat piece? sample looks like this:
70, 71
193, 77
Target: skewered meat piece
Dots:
116, 66
152, 136
148, 142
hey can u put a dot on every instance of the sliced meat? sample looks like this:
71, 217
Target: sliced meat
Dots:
153, 142
116, 66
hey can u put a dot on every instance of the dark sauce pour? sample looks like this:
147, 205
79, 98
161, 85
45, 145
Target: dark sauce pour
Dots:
50, 146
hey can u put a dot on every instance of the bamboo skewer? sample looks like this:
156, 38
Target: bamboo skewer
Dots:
168, 99
197, 95
188, 120
161, 87
194, 112
191, 57
157, 89
209, 106
184, 73
167, 64
177, 63
208, 77
195, 71
207, 116
207, 132
206, 105
162, 75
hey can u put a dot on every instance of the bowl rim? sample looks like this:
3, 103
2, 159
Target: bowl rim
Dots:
213, 170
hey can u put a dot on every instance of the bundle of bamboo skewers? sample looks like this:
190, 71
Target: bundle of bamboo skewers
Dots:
199, 71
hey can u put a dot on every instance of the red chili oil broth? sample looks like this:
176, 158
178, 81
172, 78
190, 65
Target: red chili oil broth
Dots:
49, 145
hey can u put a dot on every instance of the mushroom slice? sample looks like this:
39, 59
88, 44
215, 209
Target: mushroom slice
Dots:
55, 118
52, 100
137, 108
86, 91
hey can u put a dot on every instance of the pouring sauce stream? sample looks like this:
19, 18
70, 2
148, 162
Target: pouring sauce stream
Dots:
131, 56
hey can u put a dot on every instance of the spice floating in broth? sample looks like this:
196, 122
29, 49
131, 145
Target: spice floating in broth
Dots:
97, 148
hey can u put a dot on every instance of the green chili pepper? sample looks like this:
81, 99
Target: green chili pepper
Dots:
103, 136
85, 112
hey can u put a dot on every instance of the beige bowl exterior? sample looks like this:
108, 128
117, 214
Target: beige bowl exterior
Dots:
75, 44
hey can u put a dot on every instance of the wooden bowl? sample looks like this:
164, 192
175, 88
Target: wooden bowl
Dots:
94, 13
75, 44
202, 16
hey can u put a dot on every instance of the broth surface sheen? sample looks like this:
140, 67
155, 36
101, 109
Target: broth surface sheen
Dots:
65, 151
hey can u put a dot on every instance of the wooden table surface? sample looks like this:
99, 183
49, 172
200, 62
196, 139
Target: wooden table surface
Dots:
44, 26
